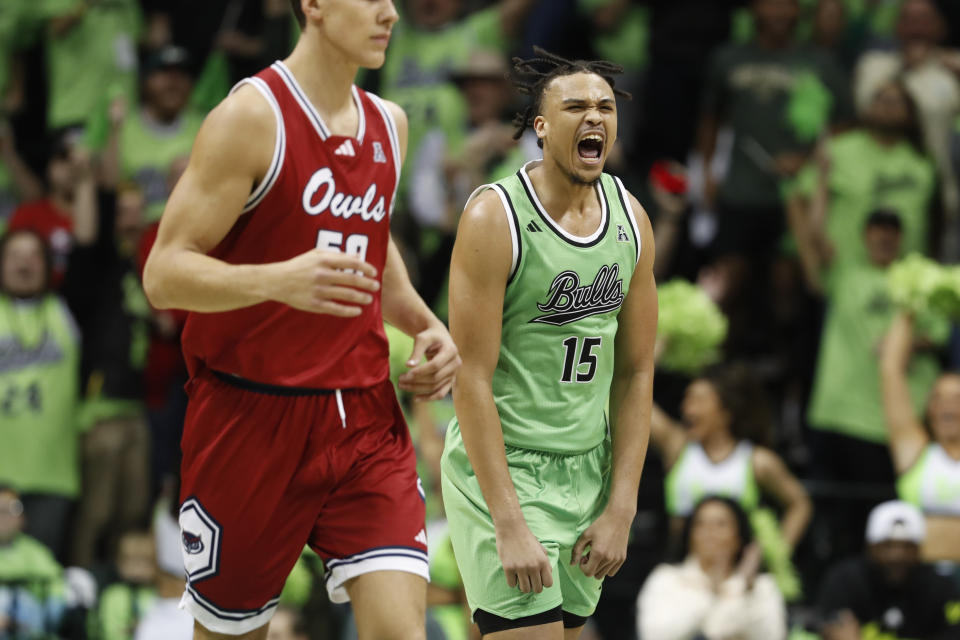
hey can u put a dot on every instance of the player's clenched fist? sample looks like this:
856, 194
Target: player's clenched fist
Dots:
525, 561
328, 282
431, 380
601, 549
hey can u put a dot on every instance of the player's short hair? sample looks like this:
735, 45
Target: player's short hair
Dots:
532, 76
298, 12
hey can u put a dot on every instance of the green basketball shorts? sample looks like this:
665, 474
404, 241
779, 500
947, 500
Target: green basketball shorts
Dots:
560, 495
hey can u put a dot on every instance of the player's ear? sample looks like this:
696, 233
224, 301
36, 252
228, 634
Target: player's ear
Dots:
313, 10
540, 127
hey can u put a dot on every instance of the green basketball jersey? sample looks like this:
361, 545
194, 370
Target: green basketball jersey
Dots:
560, 318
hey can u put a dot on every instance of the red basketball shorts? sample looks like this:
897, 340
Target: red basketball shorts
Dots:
266, 472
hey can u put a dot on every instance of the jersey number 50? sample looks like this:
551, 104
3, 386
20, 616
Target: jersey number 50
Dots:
356, 243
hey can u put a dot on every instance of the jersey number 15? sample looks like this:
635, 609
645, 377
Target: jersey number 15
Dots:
587, 358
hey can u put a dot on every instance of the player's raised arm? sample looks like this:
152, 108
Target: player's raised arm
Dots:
231, 155
631, 399
479, 270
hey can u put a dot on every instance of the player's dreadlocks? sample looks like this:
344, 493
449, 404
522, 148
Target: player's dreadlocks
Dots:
532, 81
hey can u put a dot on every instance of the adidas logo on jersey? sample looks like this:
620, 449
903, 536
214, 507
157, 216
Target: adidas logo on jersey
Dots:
345, 149
378, 154
622, 235
533, 227
421, 537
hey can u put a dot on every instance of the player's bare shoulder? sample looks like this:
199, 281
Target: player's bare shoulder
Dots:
242, 128
484, 214
484, 237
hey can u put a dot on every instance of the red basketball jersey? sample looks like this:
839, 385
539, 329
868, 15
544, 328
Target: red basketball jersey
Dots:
322, 190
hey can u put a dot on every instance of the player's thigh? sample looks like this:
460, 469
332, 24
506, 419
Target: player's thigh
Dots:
572, 634
374, 519
552, 631
581, 593
475, 547
389, 605
202, 633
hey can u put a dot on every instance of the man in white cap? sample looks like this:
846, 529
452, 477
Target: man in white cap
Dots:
889, 593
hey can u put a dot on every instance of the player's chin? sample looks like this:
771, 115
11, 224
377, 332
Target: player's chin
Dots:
587, 170
373, 59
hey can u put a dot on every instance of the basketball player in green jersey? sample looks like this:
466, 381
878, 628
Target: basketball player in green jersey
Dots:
553, 306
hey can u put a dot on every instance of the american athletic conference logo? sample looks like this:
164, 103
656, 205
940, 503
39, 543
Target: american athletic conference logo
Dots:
568, 302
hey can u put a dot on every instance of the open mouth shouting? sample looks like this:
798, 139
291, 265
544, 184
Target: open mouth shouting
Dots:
590, 148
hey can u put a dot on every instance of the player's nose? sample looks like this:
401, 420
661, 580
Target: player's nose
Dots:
389, 15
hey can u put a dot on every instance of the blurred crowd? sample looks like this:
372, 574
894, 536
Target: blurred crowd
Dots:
787, 151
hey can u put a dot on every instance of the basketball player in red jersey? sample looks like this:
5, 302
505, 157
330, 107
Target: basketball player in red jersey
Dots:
276, 239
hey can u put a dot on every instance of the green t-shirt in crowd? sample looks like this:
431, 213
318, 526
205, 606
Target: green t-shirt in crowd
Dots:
416, 74
97, 56
627, 44
864, 176
39, 369
148, 151
752, 90
846, 395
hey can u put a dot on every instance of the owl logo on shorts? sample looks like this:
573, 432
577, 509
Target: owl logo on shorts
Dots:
192, 542
201, 536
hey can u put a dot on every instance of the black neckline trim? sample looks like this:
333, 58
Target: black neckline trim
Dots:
604, 204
